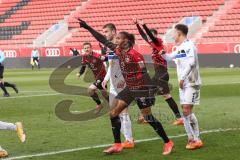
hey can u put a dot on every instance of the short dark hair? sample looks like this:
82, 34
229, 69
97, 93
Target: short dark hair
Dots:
183, 28
87, 43
154, 31
110, 26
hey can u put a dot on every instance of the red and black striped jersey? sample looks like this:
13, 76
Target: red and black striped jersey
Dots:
158, 60
95, 62
133, 68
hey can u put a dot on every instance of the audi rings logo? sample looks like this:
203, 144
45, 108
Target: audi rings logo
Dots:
10, 53
52, 52
237, 48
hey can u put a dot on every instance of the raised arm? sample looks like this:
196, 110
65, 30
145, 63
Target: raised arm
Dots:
149, 33
99, 37
141, 32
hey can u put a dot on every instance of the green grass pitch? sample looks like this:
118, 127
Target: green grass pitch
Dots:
35, 107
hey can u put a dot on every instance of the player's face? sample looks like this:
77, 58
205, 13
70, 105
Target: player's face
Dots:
87, 49
108, 33
121, 41
176, 35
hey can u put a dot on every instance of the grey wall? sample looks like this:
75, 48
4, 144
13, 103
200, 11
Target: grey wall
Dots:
209, 60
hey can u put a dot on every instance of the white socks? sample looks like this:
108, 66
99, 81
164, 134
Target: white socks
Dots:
194, 123
7, 126
191, 126
126, 126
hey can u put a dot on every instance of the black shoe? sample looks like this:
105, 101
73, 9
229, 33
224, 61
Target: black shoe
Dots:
6, 95
15, 88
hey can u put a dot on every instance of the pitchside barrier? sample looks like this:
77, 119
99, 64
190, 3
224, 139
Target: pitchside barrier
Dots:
210, 55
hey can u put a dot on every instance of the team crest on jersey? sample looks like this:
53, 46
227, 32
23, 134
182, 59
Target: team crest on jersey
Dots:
127, 59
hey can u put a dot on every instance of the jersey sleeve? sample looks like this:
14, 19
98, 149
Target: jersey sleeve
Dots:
170, 57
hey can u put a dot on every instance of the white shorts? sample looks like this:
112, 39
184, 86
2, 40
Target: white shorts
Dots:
190, 95
113, 92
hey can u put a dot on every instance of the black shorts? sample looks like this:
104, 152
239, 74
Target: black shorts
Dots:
1, 71
143, 98
35, 59
98, 84
160, 80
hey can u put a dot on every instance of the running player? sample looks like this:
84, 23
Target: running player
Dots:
13, 127
35, 58
95, 62
117, 84
189, 79
4, 84
137, 88
161, 76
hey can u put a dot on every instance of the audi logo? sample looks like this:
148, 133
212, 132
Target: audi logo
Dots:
52, 52
10, 53
237, 48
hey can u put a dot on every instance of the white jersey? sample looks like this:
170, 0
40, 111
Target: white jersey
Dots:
114, 74
186, 60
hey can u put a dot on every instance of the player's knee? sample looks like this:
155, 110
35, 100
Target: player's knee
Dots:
113, 113
90, 91
146, 111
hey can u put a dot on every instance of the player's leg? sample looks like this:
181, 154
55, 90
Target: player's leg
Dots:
122, 100
105, 94
5, 94
18, 127
164, 90
156, 125
13, 86
7, 126
191, 97
126, 124
3, 153
126, 129
174, 107
92, 93
37, 63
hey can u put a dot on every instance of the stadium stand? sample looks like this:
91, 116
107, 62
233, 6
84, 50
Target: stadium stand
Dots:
34, 17
160, 14
226, 29
22, 21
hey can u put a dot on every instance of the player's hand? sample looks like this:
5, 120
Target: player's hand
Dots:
78, 75
104, 84
82, 23
135, 20
181, 84
141, 22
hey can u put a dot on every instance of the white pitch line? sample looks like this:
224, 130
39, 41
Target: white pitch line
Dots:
106, 145
39, 95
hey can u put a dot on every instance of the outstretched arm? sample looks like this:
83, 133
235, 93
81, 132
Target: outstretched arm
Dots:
149, 33
140, 30
99, 37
